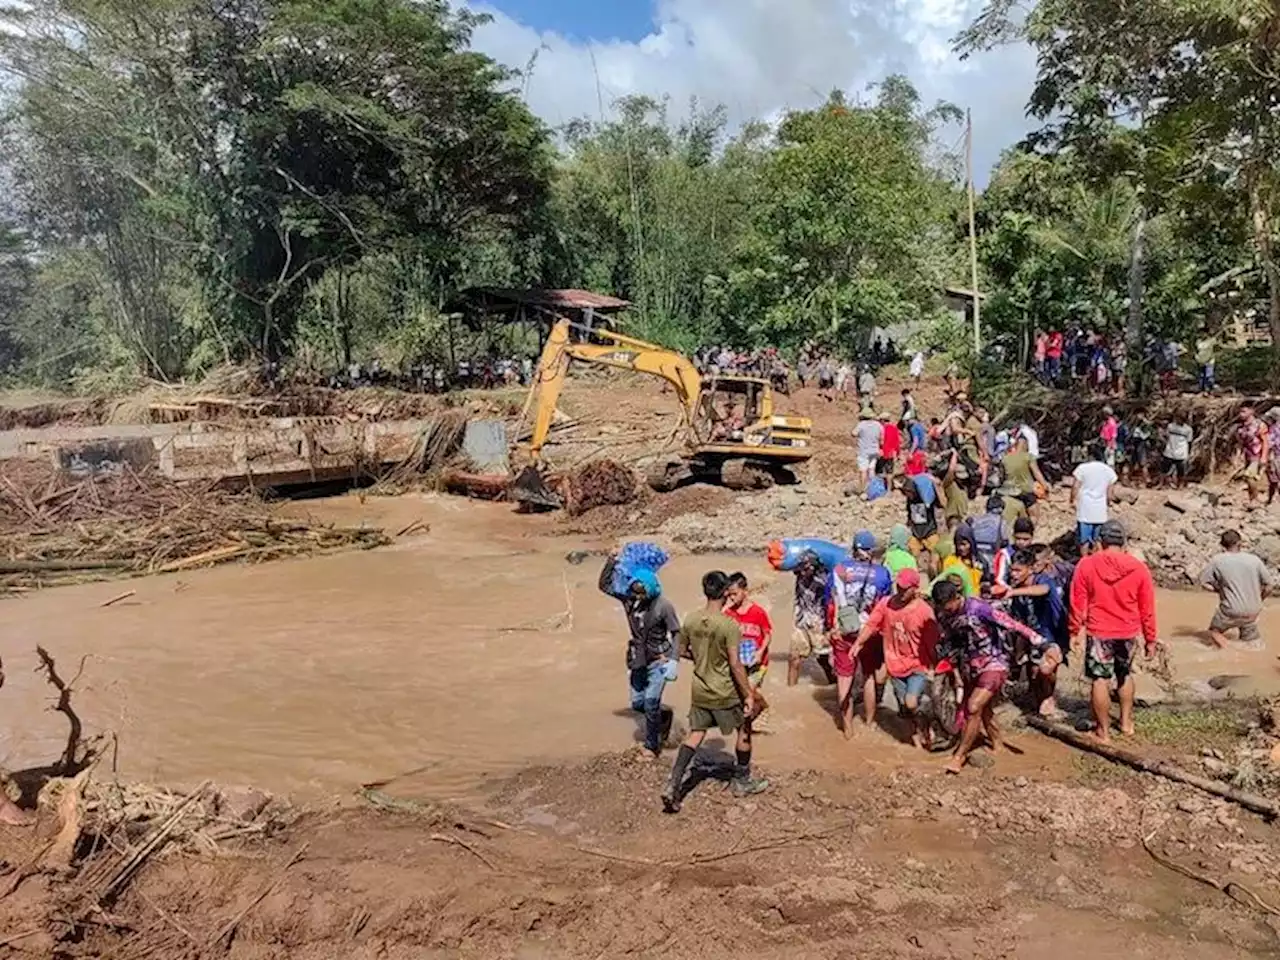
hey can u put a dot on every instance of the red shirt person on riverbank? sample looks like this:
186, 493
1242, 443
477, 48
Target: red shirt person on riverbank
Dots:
1113, 600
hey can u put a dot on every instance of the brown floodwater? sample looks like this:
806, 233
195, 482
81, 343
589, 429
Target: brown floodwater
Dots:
465, 653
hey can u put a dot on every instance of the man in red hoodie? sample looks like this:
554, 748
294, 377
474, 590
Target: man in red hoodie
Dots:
1113, 600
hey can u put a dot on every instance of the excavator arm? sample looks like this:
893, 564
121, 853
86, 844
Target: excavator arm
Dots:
622, 352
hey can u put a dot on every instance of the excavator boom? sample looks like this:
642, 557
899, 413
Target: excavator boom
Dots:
731, 431
622, 352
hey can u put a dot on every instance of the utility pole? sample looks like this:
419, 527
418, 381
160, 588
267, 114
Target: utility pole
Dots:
973, 236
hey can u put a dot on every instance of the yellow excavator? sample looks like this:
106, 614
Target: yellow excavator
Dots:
731, 435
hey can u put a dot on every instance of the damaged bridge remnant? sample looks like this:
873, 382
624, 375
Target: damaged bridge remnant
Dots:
266, 452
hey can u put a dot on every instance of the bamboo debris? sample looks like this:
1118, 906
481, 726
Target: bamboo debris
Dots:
124, 523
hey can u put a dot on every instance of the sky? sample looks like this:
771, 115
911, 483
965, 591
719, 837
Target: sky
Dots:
757, 57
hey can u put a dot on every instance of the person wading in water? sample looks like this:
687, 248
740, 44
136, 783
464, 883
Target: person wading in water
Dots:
651, 661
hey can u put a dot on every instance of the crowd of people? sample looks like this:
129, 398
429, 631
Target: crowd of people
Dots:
1100, 362
964, 584
887, 617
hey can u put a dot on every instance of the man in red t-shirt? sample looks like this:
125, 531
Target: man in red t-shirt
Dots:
890, 445
1053, 354
757, 631
910, 632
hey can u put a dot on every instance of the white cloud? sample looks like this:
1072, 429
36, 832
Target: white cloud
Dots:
758, 57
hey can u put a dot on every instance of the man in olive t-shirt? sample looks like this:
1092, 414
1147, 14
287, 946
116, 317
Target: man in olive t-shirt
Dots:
722, 696
1023, 473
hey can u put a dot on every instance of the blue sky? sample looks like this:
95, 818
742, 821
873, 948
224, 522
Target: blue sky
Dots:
758, 58
583, 19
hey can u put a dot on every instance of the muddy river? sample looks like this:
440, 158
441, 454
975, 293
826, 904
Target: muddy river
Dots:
463, 654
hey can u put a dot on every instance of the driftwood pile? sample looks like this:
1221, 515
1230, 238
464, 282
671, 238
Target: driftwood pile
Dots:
56, 528
1213, 418
108, 831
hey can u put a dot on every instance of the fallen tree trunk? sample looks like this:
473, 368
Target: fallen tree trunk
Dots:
1160, 768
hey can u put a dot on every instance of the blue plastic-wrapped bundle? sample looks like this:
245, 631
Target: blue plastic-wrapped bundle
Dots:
784, 555
634, 557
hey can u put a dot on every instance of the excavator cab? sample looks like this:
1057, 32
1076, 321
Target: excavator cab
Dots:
739, 410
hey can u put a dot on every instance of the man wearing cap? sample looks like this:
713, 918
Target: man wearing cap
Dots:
853, 590
908, 630
1113, 603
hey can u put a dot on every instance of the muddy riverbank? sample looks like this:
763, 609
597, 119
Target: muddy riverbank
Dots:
472, 650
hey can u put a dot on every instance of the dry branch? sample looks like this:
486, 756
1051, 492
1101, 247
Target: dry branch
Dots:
70, 763
1231, 888
1160, 768
443, 838
133, 863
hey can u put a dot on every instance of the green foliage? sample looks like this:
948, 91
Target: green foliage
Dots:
219, 159
849, 228
1171, 102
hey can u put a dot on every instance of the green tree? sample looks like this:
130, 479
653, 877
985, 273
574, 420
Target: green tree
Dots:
247, 147
851, 224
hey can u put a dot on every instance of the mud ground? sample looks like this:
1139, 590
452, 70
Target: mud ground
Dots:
577, 862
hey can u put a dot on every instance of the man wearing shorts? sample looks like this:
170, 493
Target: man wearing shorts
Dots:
1253, 437
1038, 599
1112, 604
809, 638
722, 697
1091, 486
757, 630
853, 590
976, 630
908, 630
1241, 581
1023, 474
870, 438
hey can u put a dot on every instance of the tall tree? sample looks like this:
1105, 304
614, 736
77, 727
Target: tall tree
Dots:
248, 146
849, 229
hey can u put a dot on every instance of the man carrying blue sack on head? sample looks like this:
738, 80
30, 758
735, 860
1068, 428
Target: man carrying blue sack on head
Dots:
651, 659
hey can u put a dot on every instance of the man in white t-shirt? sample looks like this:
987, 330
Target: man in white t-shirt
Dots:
1091, 486
1033, 439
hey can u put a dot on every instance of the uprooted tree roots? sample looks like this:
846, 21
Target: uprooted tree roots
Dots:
600, 483
108, 831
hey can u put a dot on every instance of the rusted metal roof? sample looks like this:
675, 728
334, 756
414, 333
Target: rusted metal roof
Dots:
550, 299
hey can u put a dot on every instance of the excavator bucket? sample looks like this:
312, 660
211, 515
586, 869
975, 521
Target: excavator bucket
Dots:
530, 488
